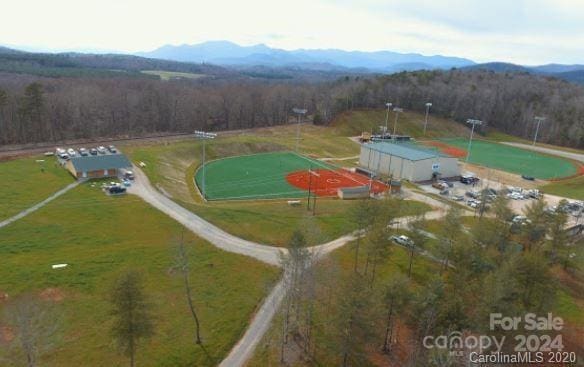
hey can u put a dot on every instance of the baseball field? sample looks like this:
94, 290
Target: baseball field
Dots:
274, 175
508, 158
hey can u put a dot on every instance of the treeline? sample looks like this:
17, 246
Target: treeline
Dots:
370, 308
49, 109
35, 109
506, 101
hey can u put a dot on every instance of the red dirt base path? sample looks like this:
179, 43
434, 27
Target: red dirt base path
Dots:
324, 182
447, 149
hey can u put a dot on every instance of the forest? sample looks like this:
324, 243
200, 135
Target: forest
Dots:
35, 108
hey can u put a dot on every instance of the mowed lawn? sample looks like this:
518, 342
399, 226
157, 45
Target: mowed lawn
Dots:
100, 237
256, 176
571, 188
23, 183
273, 222
515, 160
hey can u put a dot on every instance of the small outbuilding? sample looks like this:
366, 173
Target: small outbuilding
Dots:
98, 166
359, 192
407, 161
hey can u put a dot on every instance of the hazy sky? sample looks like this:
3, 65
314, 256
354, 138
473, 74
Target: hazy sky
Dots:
520, 31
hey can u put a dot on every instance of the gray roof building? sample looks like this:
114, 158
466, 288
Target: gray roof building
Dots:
97, 165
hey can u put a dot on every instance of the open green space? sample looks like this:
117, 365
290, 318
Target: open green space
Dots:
515, 160
571, 188
167, 75
257, 176
100, 237
26, 181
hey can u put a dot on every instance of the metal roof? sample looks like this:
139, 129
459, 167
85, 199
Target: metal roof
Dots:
100, 162
406, 151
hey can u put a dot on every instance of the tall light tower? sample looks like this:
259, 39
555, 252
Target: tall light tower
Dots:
428, 105
473, 122
397, 111
539, 120
300, 112
388, 105
204, 136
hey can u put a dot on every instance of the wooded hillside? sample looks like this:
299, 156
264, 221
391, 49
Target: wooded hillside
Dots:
38, 109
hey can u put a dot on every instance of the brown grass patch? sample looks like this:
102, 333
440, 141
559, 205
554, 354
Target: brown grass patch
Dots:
52, 294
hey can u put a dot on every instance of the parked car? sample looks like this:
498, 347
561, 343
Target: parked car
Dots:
112, 149
472, 194
101, 150
439, 185
71, 152
449, 184
528, 178
127, 174
83, 152
445, 192
457, 197
93, 151
515, 196
402, 240
469, 180
117, 190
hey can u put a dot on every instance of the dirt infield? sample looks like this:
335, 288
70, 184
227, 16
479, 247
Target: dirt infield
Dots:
326, 182
447, 149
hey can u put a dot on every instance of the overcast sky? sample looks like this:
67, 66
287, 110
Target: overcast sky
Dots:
521, 31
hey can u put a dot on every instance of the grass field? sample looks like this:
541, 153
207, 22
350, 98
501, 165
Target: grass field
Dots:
99, 237
571, 188
515, 160
254, 176
23, 183
167, 75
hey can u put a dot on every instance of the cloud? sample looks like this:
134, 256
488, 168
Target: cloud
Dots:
520, 31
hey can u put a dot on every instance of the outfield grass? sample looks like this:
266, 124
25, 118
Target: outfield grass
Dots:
99, 237
257, 176
23, 183
515, 160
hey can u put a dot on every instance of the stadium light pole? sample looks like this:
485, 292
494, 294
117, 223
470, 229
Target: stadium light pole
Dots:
539, 120
473, 122
299, 112
388, 105
397, 111
428, 105
204, 136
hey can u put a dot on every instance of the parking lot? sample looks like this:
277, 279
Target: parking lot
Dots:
517, 203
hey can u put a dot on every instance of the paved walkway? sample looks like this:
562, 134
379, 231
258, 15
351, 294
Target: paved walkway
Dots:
36, 207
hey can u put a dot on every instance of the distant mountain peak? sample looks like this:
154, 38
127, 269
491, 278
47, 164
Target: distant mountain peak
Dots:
229, 53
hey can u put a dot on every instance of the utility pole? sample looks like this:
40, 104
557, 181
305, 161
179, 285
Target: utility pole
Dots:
397, 111
473, 122
539, 120
428, 105
204, 136
388, 105
299, 112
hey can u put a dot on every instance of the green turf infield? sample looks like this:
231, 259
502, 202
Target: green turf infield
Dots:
257, 176
515, 160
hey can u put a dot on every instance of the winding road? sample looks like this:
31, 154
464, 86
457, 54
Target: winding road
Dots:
261, 321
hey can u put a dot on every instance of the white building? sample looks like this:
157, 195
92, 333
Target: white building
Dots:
406, 161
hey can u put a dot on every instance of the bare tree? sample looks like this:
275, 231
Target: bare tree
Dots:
36, 324
182, 263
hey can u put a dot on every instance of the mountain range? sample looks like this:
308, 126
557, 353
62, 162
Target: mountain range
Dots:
230, 54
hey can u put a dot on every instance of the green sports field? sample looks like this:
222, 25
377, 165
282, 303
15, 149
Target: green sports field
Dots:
515, 160
258, 176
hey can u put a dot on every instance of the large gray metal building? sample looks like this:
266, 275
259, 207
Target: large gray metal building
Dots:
405, 161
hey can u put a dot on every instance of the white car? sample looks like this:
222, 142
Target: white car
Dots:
101, 150
402, 240
71, 152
